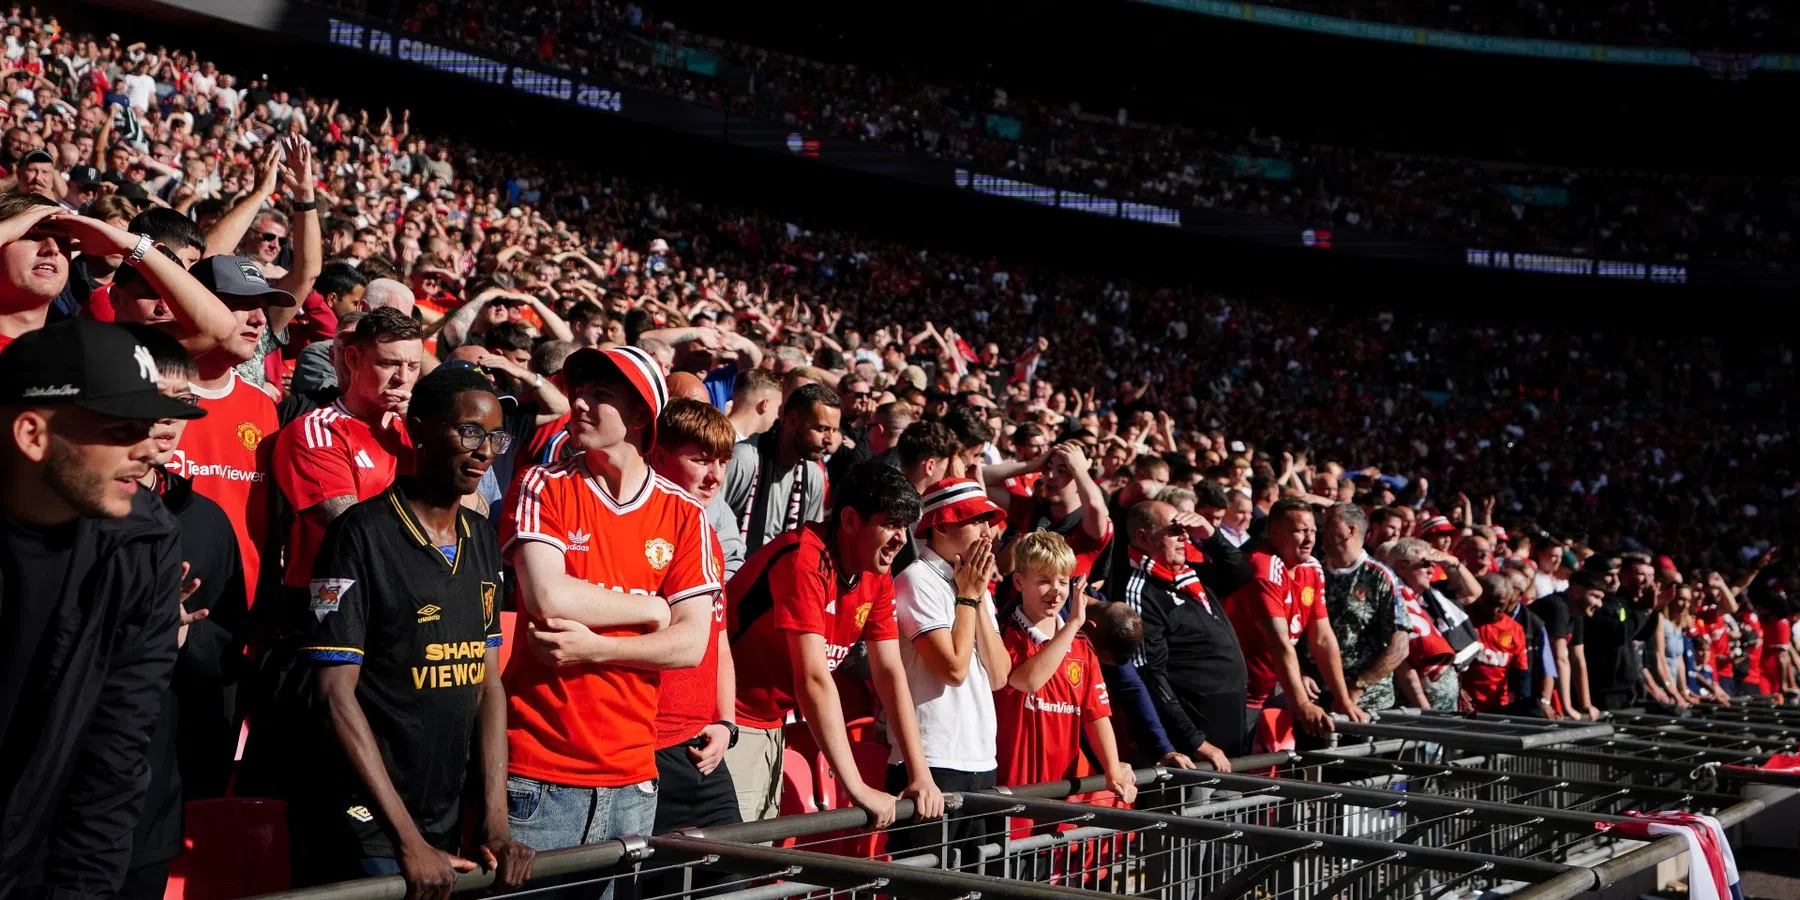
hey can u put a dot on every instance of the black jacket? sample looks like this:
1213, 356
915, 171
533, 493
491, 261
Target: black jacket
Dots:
1189, 653
73, 783
195, 739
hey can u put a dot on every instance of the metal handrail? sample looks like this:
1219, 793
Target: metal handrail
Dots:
734, 848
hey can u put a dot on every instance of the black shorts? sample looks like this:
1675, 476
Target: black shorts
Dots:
687, 799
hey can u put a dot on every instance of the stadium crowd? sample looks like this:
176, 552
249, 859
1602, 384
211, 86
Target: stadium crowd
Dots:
1011, 130
304, 405
1733, 26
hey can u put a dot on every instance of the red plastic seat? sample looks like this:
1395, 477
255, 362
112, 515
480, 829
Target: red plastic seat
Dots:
872, 766
797, 791
235, 847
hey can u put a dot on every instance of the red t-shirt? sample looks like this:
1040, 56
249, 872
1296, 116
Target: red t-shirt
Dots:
4, 341
331, 453
689, 699
1503, 652
1775, 635
1278, 591
1751, 631
792, 584
595, 725
1039, 735
228, 454
1711, 622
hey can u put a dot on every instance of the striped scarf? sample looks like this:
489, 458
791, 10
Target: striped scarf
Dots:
1182, 579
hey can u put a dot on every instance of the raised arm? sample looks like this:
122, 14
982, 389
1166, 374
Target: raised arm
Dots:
307, 238
553, 323
207, 321
226, 234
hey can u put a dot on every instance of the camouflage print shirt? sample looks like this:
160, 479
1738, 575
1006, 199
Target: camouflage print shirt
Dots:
1366, 609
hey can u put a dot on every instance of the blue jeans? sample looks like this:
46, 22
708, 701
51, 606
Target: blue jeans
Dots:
380, 865
547, 816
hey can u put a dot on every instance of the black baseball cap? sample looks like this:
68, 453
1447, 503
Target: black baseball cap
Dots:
1601, 563
86, 176
37, 156
237, 276
134, 192
92, 365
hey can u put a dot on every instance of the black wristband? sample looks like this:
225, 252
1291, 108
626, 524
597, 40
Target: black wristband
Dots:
308, 206
972, 604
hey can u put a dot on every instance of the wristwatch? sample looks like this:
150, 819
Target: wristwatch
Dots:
538, 384
733, 729
144, 243
972, 604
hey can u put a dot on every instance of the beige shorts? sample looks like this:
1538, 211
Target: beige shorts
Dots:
755, 765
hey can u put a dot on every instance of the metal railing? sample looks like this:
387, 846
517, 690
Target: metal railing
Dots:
1369, 820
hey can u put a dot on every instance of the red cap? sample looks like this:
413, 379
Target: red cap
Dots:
1434, 526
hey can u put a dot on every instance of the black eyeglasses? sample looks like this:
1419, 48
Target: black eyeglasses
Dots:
472, 436
189, 399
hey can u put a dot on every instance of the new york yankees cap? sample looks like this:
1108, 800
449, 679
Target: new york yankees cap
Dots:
92, 365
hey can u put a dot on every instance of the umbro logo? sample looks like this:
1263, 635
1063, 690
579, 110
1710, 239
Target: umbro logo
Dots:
363, 461
578, 539
430, 612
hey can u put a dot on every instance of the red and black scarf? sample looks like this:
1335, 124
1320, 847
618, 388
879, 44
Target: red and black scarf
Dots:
1182, 579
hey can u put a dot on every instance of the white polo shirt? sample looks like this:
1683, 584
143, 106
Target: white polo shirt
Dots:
956, 723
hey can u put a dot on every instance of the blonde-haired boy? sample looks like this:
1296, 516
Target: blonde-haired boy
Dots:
1055, 685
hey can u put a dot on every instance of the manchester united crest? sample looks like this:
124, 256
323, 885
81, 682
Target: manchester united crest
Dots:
1306, 596
1072, 670
488, 589
249, 435
862, 614
1506, 640
659, 552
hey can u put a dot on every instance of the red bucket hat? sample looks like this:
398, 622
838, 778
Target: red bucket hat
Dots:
956, 500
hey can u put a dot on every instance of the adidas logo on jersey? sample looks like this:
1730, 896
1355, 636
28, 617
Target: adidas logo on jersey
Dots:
363, 461
578, 539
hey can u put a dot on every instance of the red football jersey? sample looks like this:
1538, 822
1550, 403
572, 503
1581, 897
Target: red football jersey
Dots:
1751, 630
1775, 635
331, 453
1503, 652
1278, 591
1022, 484
228, 456
792, 584
689, 699
1039, 735
595, 725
